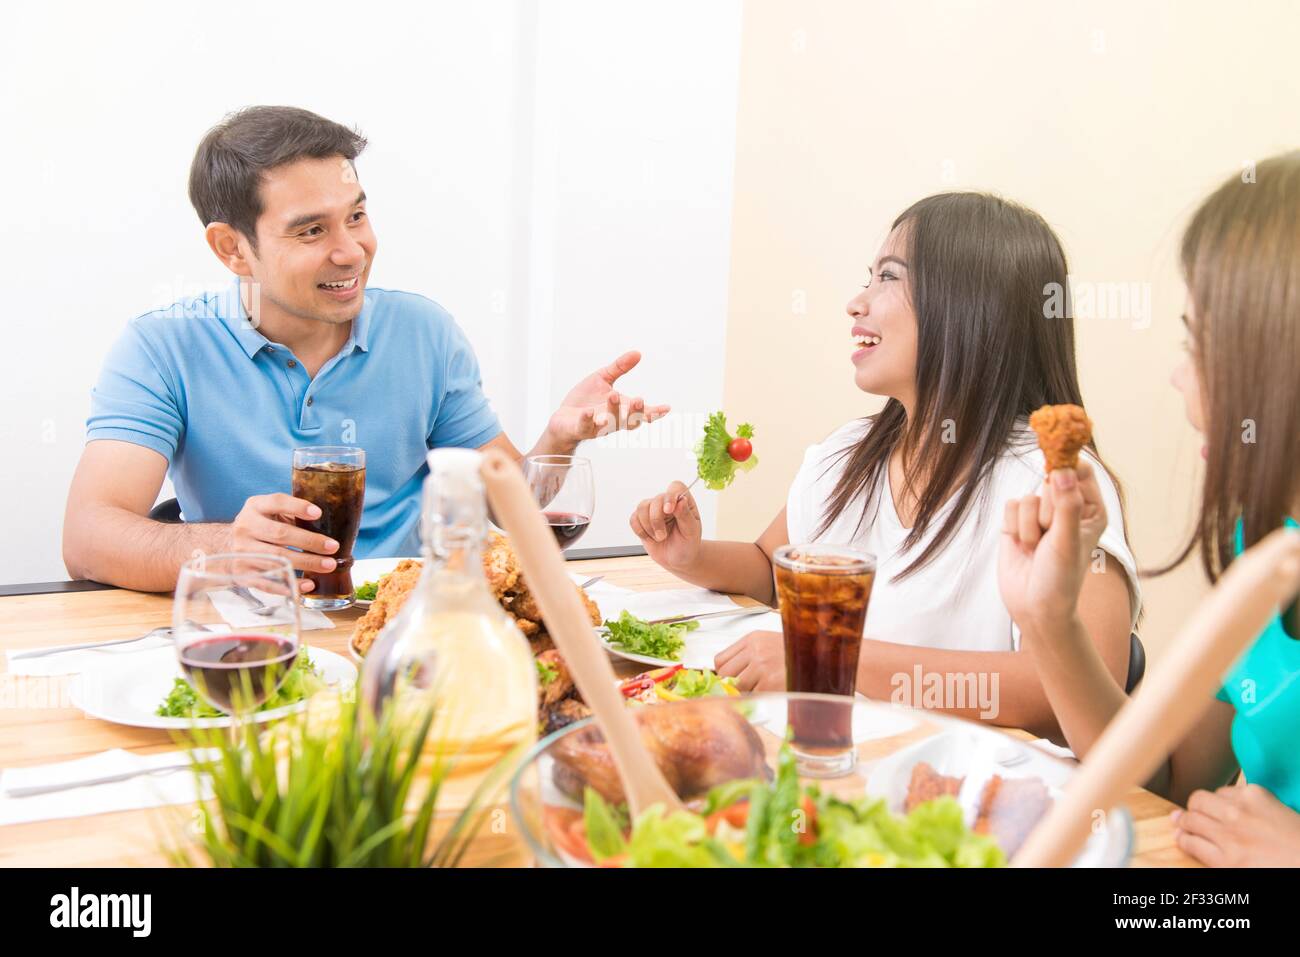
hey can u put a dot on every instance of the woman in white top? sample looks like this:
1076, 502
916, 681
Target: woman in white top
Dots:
957, 327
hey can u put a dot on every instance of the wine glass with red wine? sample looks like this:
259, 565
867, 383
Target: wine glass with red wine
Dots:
236, 669
563, 488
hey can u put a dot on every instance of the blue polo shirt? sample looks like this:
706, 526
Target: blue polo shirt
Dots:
226, 406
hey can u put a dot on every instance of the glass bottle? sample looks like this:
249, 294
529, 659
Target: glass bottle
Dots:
452, 645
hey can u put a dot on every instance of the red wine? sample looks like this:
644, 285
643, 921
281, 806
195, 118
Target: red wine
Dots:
238, 669
567, 526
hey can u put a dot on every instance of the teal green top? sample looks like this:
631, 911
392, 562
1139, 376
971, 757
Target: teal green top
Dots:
1264, 687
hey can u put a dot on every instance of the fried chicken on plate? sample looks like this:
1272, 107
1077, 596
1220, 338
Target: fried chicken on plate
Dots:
506, 579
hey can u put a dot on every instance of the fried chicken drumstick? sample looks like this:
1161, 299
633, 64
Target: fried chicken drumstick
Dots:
1062, 431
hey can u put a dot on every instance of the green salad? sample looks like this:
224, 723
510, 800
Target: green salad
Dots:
303, 680
751, 823
638, 637
366, 591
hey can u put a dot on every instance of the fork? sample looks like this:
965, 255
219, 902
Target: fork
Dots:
259, 607
95, 645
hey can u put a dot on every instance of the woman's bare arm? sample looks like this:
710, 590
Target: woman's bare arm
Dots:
739, 568
1012, 693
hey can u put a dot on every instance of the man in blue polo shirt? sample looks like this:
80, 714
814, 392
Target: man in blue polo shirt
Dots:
220, 388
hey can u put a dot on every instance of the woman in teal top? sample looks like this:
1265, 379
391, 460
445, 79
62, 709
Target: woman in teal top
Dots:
1264, 689
1241, 262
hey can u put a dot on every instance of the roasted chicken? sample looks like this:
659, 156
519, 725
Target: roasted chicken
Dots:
698, 745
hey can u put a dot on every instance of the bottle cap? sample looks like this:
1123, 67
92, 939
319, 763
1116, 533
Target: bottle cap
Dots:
454, 461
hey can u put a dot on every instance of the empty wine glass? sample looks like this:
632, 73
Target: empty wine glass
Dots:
563, 488
236, 669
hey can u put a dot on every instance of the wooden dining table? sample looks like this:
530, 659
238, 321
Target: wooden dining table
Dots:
39, 726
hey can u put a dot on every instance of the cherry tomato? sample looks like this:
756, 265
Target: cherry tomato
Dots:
737, 815
740, 449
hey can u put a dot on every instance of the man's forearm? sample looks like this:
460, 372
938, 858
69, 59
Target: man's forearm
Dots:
117, 547
1000, 687
547, 444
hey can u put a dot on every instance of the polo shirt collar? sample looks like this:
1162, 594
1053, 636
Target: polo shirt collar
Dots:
360, 335
231, 311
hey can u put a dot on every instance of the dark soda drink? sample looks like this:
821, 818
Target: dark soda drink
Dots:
823, 593
337, 486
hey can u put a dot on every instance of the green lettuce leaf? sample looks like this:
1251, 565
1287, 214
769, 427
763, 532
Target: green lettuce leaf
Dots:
303, 680
637, 636
604, 829
714, 464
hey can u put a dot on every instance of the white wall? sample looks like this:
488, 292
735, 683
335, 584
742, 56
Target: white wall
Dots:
633, 150
558, 176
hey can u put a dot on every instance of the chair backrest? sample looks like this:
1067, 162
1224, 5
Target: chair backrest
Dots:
1137, 662
168, 511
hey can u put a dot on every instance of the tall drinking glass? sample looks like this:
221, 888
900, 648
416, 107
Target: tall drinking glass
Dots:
235, 670
823, 592
333, 478
563, 488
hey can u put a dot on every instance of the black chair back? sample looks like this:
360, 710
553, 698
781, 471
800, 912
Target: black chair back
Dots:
1137, 662
168, 511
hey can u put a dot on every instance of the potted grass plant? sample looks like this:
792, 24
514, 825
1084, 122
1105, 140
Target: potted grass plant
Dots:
330, 787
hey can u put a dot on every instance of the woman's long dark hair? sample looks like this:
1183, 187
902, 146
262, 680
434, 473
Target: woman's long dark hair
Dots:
1241, 260
986, 278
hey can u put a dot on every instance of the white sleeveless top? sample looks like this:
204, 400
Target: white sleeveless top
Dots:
953, 602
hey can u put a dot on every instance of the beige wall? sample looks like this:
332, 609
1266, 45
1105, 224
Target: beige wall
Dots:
1111, 118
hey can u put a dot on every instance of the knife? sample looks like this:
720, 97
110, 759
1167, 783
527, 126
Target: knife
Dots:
729, 612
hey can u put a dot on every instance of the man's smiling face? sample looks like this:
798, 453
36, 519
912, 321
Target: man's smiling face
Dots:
314, 241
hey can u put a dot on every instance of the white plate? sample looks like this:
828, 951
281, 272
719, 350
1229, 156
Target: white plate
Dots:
129, 692
371, 570
977, 755
704, 643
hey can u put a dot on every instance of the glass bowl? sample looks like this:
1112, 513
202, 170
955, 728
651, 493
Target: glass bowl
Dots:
903, 756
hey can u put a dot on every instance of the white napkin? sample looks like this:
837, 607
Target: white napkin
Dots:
238, 613
658, 604
75, 662
175, 787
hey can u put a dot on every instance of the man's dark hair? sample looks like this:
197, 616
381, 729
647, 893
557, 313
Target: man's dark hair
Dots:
228, 166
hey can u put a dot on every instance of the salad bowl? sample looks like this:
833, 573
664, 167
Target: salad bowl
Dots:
925, 790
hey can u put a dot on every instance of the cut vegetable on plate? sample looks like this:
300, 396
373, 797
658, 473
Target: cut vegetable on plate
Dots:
640, 640
676, 683
131, 692
303, 680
